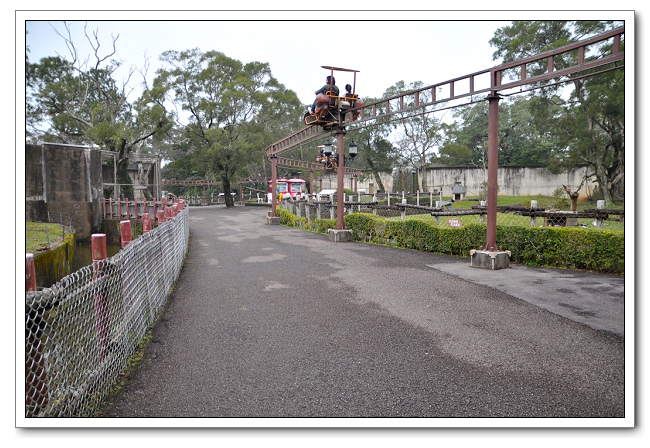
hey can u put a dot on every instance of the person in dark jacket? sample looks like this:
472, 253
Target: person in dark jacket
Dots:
331, 85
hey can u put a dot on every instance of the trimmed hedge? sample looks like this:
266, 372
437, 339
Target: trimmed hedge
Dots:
559, 247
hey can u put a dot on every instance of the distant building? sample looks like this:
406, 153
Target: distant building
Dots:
458, 192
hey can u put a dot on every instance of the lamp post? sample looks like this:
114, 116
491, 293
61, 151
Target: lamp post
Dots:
340, 196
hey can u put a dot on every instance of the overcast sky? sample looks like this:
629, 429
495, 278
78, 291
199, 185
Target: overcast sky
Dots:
385, 47
384, 52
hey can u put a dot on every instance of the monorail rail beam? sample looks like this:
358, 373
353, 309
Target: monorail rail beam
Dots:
388, 107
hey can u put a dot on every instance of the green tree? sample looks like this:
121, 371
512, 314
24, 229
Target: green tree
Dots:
80, 102
234, 110
587, 125
520, 142
418, 135
376, 153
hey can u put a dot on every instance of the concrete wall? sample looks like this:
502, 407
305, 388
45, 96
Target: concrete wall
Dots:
512, 181
67, 180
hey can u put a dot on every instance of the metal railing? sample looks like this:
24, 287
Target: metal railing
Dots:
444, 213
80, 333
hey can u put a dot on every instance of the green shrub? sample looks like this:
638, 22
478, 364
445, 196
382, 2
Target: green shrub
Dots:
561, 247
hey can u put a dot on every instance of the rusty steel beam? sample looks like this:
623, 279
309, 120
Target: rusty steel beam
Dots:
313, 166
615, 56
193, 182
369, 112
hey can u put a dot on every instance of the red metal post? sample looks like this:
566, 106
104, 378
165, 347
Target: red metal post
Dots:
119, 209
340, 194
102, 318
161, 216
126, 233
274, 180
30, 273
493, 171
168, 213
135, 209
146, 222
110, 207
126, 204
311, 183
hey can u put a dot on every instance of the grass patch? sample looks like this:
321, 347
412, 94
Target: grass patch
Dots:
37, 233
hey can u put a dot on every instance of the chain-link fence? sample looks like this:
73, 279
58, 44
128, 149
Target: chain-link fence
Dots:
455, 213
80, 333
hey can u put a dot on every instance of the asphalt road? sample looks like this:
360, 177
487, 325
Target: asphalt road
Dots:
269, 321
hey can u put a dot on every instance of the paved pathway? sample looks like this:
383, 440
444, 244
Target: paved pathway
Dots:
270, 321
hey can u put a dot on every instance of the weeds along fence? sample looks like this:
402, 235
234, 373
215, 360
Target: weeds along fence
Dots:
80, 333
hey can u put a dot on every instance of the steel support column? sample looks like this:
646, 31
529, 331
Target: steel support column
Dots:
340, 196
493, 165
311, 184
274, 180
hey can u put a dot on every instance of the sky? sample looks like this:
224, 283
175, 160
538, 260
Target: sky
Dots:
383, 51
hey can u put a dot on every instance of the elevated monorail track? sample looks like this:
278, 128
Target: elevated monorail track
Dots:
465, 86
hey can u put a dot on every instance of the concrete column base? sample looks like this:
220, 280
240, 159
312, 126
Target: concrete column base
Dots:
490, 260
273, 220
339, 235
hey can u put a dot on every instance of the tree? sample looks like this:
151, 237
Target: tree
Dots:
418, 135
376, 152
234, 110
79, 102
587, 124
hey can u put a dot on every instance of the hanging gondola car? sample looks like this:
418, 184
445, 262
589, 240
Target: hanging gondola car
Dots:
330, 109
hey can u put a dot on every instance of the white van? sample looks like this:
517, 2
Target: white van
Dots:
324, 195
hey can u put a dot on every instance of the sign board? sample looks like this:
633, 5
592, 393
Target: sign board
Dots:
455, 222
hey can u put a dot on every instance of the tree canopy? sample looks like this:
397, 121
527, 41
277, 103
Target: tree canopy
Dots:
587, 125
234, 111
214, 116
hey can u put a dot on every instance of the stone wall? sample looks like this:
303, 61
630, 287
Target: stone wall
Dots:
64, 180
512, 181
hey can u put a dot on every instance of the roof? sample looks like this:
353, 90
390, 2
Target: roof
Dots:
458, 189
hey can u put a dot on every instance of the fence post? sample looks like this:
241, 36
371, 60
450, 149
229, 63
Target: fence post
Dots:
161, 217
30, 273
533, 218
168, 213
600, 205
146, 222
102, 318
126, 233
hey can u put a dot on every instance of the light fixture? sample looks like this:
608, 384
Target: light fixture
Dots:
327, 148
353, 149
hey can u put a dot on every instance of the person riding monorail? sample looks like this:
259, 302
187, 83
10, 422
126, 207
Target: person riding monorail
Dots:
330, 86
